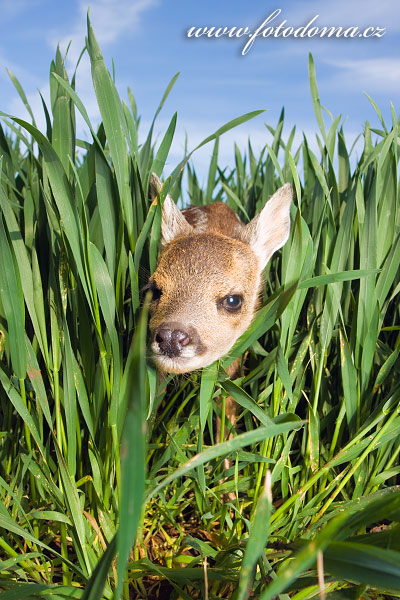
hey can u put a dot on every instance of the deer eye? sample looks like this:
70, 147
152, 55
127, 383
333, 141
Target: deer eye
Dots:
232, 303
156, 291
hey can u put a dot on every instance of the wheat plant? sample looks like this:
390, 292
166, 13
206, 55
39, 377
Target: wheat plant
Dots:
111, 479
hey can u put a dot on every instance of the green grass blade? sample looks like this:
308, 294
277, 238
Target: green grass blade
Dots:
70, 407
335, 277
76, 516
133, 453
315, 95
207, 384
64, 200
244, 400
95, 585
349, 381
22, 94
163, 150
63, 131
12, 300
338, 263
114, 125
212, 172
257, 540
106, 295
105, 196
36, 379
228, 126
262, 322
376, 567
244, 439
78, 103
29, 277
304, 559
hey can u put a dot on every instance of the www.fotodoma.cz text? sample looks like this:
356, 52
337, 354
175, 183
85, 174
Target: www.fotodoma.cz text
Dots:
283, 30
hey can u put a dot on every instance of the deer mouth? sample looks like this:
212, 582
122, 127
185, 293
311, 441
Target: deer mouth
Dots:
173, 365
178, 364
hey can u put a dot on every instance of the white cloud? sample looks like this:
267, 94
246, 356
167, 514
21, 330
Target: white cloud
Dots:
374, 74
13, 104
19, 71
110, 19
361, 13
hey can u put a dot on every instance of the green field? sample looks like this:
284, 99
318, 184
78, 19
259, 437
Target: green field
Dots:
111, 478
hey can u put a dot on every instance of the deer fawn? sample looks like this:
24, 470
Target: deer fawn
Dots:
206, 286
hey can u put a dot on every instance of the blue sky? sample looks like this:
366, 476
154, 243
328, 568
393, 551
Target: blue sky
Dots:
148, 42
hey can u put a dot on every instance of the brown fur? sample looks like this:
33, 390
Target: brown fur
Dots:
216, 217
208, 256
192, 286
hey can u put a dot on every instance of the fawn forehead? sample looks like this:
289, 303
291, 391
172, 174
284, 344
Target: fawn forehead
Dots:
206, 261
217, 217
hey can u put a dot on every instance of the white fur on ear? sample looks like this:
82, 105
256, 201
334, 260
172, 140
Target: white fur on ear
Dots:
173, 223
270, 229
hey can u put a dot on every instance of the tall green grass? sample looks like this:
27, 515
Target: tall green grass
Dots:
111, 481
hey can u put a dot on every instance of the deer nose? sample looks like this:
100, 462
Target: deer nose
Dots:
171, 341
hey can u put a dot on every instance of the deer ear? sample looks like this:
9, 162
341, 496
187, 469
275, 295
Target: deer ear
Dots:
173, 223
269, 230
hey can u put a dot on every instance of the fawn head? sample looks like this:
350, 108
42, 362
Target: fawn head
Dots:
206, 285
